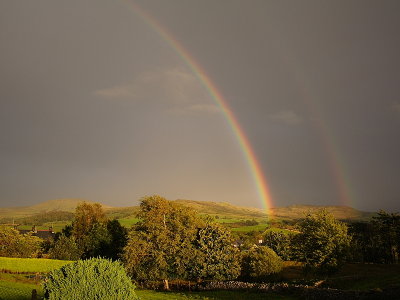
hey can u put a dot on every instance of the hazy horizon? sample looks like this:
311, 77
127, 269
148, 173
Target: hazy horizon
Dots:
97, 104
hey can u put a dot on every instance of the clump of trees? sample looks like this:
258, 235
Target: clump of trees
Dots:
280, 242
377, 241
15, 244
89, 279
323, 242
172, 242
90, 235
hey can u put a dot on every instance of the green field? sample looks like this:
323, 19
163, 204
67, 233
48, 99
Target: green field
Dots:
20, 286
226, 220
281, 230
259, 227
31, 265
128, 222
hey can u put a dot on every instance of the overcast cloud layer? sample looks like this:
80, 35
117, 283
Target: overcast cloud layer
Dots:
95, 104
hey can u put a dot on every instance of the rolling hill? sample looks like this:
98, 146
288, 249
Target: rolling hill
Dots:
67, 205
220, 209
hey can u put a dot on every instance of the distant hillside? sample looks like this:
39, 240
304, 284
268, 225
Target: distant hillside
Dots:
67, 205
221, 209
340, 212
292, 212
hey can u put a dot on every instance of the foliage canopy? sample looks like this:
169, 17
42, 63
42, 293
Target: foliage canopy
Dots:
323, 241
170, 242
14, 244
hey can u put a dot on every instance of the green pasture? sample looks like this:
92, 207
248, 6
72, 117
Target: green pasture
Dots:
31, 265
128, 222
259, 227
280, 230
228, 220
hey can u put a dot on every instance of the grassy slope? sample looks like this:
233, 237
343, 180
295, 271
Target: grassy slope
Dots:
32, 265
223, 209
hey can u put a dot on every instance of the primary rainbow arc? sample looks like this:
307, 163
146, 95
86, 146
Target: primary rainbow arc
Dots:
245, 146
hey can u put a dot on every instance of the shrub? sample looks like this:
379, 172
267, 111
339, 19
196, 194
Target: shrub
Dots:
259, 262
94, 278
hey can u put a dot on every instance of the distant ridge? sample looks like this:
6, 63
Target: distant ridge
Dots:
67, 204
221, 209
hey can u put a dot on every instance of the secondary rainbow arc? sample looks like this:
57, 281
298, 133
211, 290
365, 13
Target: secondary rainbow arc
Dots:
245, 146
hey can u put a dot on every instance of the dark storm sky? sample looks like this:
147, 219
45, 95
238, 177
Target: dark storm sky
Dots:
95, 104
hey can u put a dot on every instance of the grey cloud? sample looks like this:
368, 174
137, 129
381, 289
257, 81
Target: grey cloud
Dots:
396, 107
287, 117
196, 108
177, 88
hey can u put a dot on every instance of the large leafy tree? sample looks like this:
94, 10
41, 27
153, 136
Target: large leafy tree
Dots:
387, 228
216, 257
171, 241
89, 229
279, 242
65, 248
90, 235
87, 216
159, 246
322, 242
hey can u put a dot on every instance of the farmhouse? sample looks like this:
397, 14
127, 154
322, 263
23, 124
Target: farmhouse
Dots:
43, 234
